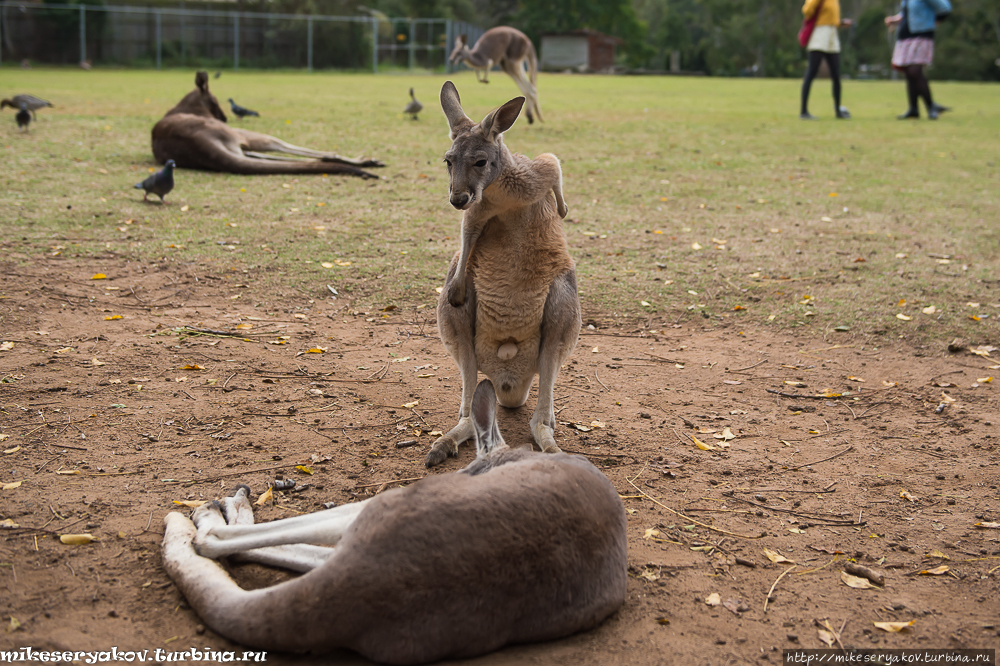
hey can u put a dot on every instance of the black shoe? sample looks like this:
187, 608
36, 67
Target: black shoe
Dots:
940, 109
932, 113
807, 116
912, 113
843, 113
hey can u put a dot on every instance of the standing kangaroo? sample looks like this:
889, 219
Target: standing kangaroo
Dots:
518, 547
511, 50
509, 306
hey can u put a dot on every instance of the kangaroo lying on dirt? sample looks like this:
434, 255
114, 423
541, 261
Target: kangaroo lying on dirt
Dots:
195, 135
509, 306
518, 547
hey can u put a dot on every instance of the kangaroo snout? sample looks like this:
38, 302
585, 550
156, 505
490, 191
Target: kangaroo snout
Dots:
461, 200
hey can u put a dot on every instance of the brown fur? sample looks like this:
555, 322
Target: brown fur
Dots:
195, 135
511, 50
518, 547
509, 307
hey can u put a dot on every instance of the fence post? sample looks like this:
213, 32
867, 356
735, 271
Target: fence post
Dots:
183, 39
159, 38
309, 45
83, 32
449, 37
374, 45
413, 46
236, 42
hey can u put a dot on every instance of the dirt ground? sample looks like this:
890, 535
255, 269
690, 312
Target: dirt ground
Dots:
107, 421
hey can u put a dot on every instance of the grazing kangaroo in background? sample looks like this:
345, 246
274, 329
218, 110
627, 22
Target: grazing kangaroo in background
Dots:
518, 547
195, 135
511, 50
509, 306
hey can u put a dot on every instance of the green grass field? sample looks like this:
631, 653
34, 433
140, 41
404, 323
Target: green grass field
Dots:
689, 197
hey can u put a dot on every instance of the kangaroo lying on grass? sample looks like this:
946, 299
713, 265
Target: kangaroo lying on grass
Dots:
517, 547
195, 135
509, 305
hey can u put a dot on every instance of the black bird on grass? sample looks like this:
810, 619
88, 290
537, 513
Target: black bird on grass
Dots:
23, 117
34, 103
160, 183
241, 111
218, 74
414, 107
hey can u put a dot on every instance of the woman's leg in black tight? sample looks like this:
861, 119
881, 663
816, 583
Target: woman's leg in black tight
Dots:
833, 62
911, 90
921, 87
815, 58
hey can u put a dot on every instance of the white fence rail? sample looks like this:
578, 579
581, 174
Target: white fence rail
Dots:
52, 33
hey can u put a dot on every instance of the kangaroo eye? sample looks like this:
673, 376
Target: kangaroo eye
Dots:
481, 163
448, 162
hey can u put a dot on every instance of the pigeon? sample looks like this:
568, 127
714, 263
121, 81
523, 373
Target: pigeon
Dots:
32, 102
160, 183
23, 117
414, 107
240, 110
218, 74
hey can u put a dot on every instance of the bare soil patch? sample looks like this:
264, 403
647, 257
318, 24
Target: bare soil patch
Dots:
104, 428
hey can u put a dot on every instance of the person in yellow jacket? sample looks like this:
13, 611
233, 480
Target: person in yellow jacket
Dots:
824, 44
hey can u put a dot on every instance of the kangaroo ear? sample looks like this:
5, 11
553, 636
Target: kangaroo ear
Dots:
452, 105
501, 120
484, 408
463, 39
201, 80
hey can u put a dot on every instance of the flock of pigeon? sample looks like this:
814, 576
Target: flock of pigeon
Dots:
161, 182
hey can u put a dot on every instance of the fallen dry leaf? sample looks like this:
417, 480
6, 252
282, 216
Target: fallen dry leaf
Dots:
99, 276
702, 445
8, 524
77, 539
11, 486
266, 497
192, 366
411, 405
650, 533
6, 346
857, 582
777, 557
713, 599
907, 496
304, 469
894, 626
826, 637
936, 571
988, 526
13, 450
191, 504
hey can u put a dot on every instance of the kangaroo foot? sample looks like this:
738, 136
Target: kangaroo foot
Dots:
442, 448
237, 508
543, 435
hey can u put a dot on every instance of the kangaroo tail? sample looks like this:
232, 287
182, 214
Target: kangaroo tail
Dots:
227, 162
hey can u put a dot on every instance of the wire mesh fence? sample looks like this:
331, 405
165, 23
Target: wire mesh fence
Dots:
51, 33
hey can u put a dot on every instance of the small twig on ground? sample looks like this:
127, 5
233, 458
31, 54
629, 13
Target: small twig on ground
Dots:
748, 367
600, 382
771, 591
816, 462
798, 396
226, 383
382, 483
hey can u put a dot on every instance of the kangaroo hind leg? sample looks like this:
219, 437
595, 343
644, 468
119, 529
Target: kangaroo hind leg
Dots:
561, 330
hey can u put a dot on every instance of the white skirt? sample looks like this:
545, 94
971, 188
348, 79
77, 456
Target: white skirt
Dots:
824, 38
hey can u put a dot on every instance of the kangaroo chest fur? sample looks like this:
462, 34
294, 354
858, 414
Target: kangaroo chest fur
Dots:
516, 258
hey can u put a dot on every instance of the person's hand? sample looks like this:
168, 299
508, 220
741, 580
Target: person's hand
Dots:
847, 23
893, 21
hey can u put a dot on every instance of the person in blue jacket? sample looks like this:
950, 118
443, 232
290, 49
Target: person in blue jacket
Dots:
915, 49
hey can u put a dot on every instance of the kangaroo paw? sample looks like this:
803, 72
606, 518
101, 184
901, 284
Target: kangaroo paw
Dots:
442, 448
551, 448
456, 293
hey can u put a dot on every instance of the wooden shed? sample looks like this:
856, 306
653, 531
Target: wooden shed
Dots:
584, 50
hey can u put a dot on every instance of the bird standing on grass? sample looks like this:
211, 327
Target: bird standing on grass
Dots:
23, 117
33, 103
160, 183
241, 111
414, 107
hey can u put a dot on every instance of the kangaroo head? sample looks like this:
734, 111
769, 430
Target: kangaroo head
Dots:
461, 43
200, 102
477, 153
